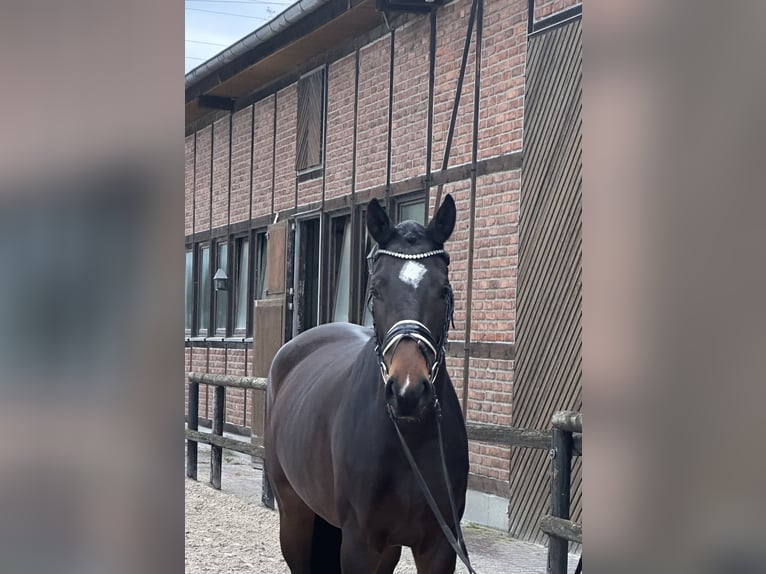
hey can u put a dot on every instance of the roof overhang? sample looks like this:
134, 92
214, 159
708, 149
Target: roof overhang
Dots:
282, 47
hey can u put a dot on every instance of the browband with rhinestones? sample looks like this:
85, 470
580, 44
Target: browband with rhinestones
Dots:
410, 255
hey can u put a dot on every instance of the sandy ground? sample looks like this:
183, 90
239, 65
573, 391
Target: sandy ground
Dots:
231, 531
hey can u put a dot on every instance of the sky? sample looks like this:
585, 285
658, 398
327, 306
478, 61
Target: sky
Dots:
213, 25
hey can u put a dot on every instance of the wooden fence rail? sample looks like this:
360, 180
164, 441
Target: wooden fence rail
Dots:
215, 439
564, 441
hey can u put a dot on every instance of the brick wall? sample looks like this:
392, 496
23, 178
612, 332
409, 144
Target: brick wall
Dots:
339, 152
490, 394
495, 257
310, 191
452, 23
372, 120
458, 272
501, 104
497, 198
220, 213
287, 113
189, 185
221, 361
263, 157
202, 180
199, 363
241, 146
235, 398
545, 8
410, 100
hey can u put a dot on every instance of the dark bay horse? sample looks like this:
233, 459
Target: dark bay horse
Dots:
348, 499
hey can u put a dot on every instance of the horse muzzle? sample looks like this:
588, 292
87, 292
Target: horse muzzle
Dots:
408, 399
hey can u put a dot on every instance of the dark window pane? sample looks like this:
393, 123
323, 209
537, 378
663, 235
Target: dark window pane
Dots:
243, 275
366, 314
308, 289
188, 290
222, 297
204, 290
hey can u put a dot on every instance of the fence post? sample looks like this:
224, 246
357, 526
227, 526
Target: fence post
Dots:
560, 494
193, 424
216, 452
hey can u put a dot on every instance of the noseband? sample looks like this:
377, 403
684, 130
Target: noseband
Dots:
415, 330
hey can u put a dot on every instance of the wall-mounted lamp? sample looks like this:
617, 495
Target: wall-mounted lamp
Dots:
221, 280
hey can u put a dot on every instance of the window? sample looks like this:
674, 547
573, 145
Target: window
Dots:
340, 267
309, 153
260, 266
414, 210
222, 296
189, 291
307, 276
366, 315
203, 300
241, 284
411, 207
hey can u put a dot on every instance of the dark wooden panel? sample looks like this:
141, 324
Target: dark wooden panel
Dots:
275, 258
548, 345
483, 350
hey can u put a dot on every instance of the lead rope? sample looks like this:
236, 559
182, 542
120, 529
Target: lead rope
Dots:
458, 546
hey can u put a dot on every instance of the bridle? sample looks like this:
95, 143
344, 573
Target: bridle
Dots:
428, 345
433, 350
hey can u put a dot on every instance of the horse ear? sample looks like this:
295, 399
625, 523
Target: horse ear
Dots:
378, 223
441, 226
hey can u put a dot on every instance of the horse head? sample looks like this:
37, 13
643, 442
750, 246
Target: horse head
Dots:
411, 301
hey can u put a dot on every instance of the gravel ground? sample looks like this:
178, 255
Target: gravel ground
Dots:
231, 531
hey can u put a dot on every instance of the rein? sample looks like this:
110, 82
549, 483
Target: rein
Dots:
417, 331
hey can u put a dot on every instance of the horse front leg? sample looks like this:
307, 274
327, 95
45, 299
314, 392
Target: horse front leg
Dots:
388, 560
358, 557
438, 557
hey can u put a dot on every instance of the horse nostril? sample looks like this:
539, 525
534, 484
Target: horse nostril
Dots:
390, 384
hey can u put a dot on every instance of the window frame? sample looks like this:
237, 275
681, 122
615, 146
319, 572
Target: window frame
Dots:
309, 171
334, 256
300, 274
190, 249
409, 199
217, 330
201, 330
362, 275
259, 256
236, 276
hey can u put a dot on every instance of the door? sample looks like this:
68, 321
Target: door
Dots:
269, 321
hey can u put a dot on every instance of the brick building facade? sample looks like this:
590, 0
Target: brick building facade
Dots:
244, 135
